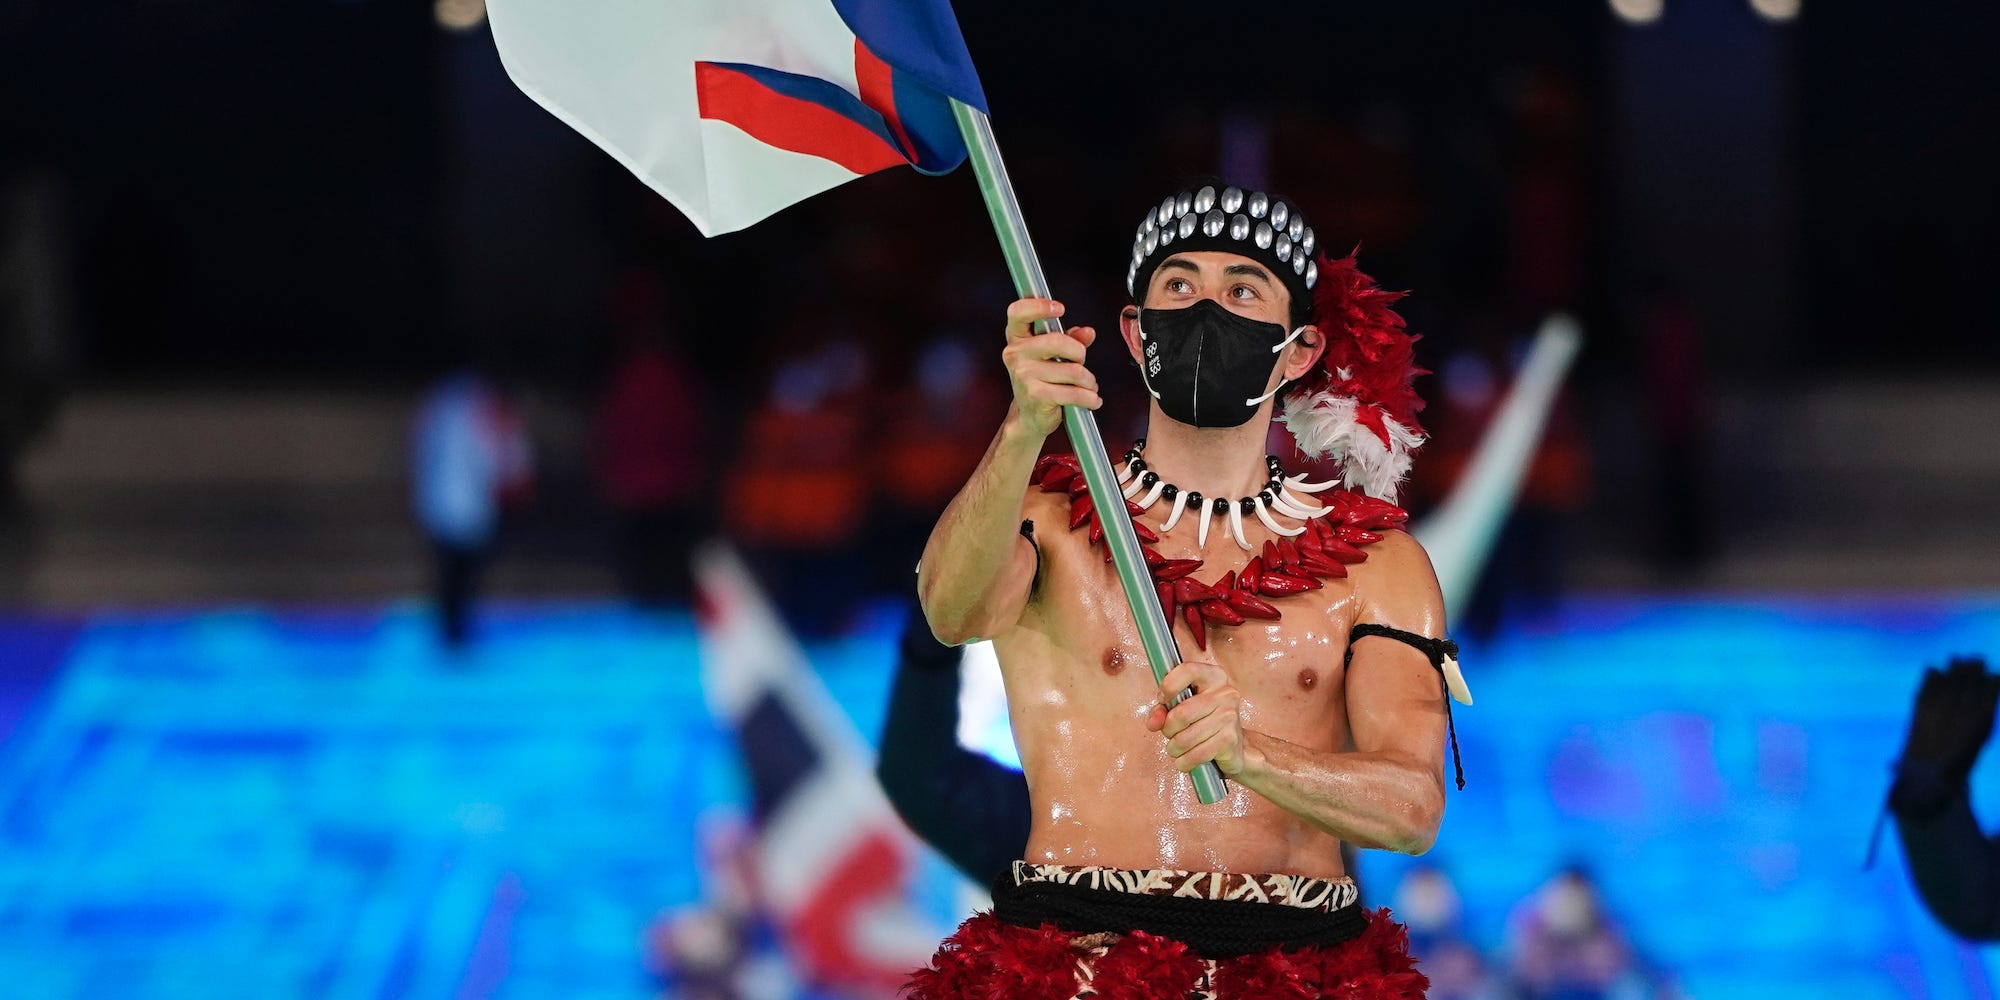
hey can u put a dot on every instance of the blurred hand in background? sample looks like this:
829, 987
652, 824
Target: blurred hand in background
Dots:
1954, 716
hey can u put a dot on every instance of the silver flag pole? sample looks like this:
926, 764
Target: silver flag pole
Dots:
1155, 632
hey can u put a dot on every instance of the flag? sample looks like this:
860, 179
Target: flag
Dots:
734, 110
831, 858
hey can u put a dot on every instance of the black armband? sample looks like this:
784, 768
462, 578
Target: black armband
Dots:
1437, 651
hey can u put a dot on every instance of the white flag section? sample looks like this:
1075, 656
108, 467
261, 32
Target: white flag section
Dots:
623, 73
831, 856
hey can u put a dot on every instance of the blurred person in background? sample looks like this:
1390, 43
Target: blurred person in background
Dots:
1956, 867
1547, 190
971, 808
1676, 395
932, 436
35, 320
726, 946
1428, 904
470, 462
647, 446
1566, 946
799, 489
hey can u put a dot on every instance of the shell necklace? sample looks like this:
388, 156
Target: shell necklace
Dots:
1329, 539
1144, 488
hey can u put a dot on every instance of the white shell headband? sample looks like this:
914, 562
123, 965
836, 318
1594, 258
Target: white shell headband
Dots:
1255, 225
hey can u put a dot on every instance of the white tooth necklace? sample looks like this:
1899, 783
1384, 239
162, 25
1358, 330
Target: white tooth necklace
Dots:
1279, 496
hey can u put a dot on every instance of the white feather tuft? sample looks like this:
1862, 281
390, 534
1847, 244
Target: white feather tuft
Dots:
1325, 427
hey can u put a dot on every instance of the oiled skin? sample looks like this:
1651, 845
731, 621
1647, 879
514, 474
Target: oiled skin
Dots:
1079, 689
1316, 753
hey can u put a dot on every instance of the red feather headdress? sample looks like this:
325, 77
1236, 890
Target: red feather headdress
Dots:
1358, 407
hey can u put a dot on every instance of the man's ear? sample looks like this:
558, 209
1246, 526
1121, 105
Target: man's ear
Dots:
1128, 324
1304, 353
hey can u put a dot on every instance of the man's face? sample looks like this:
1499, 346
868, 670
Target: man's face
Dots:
1240, 284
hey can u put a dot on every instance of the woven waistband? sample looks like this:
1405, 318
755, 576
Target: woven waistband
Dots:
1302, 891
1216, 914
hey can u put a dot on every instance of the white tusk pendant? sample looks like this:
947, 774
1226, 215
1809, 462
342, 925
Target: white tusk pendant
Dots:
1132, 488
1180, 504
1454, 681
1201, 537
1125, 473
1265, 516
1299, 505
1299, 483
1236, 524
1278, 504
1153, 495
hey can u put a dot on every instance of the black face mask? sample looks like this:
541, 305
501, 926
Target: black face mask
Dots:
1206, 365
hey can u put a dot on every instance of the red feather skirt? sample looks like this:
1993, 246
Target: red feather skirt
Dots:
986, 959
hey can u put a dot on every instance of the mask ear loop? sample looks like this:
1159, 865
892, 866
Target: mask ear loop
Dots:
1282, 344
1281, 383
1139, 323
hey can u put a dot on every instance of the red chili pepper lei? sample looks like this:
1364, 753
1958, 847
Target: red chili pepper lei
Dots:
1284, 566
1288, 553
1342, 552
1081, 509
1193, 617
1273, 584
1355, 536
1250, 605
1189, 591
1220, 612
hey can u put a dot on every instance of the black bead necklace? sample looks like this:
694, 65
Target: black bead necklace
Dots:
1136, 466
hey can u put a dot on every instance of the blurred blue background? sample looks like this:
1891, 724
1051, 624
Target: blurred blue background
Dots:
255, 803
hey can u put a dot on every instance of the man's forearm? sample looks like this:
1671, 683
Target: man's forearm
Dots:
1374, 800
968, 576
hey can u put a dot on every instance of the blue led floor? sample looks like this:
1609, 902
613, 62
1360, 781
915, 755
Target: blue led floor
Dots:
1719, 767
241, 805
322, 805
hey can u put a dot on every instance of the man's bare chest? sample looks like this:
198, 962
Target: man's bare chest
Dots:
1292, 665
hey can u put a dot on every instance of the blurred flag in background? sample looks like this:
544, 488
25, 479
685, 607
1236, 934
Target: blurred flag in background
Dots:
830, 858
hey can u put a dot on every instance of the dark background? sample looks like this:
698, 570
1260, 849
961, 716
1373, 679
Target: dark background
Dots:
269, 188
350, 198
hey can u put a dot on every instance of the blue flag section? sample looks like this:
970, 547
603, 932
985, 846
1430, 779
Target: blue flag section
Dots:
920, 38
920, 41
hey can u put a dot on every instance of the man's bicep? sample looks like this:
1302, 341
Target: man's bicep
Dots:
985, 603
1394, 704
1395, 701
1018, 583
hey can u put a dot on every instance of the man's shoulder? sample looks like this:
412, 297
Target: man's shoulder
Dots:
1397, 575
1398, 551
1048, 511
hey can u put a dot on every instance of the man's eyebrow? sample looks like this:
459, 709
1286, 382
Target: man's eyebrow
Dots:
1248, 271
1179, 264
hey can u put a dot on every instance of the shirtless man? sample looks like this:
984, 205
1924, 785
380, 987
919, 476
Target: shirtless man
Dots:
1321, 738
